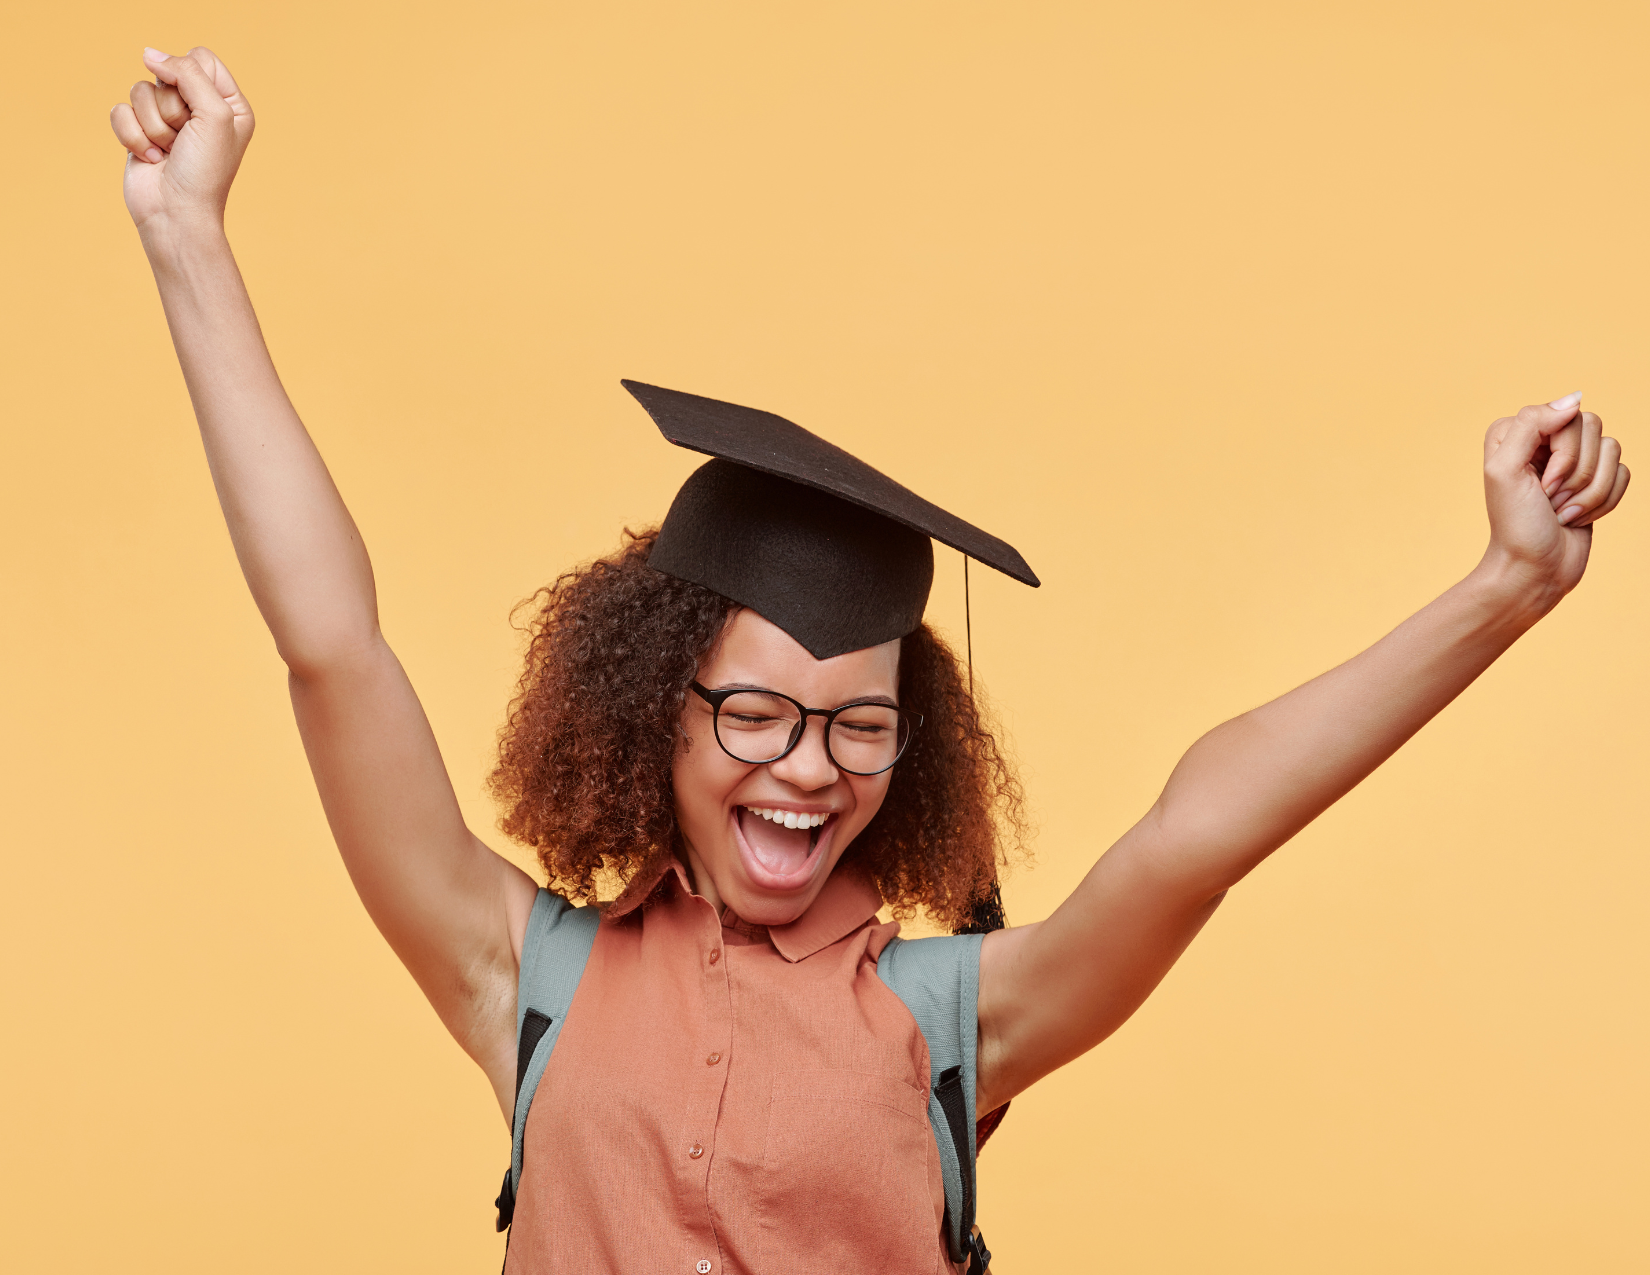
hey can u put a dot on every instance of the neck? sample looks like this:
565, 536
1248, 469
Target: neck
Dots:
703, 884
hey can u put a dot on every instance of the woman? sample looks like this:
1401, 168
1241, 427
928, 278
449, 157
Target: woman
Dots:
729, 1039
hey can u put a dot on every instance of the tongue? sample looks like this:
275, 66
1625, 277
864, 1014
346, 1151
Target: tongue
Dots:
779, 849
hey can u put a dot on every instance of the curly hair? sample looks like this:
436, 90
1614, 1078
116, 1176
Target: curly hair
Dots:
584, 771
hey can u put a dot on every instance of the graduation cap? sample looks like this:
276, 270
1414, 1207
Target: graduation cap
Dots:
779, 520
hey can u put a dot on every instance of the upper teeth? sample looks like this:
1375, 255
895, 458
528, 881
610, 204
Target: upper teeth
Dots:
789, 818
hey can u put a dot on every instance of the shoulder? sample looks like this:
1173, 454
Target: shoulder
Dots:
938, 978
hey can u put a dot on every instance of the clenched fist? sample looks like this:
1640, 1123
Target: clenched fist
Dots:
1549, 474
186, 132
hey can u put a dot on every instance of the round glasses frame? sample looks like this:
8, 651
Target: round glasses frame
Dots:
717, 698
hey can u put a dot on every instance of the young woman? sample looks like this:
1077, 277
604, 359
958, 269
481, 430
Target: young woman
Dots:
735, 1089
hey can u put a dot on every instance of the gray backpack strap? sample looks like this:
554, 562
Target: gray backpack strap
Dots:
553, 957
939, 981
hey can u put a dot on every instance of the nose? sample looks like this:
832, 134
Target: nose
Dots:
807, 766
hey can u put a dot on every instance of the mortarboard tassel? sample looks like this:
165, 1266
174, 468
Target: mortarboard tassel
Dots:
988, 911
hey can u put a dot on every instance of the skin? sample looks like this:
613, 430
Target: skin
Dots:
456, 913
711, 786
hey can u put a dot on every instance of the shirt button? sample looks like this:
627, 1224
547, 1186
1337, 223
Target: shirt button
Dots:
695, 1151
713, 1060
704, 1266
715, 956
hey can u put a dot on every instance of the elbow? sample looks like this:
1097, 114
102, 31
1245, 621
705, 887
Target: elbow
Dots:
315, 657
1200, 857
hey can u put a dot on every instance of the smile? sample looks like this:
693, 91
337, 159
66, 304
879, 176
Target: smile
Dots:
782, 849
790, 818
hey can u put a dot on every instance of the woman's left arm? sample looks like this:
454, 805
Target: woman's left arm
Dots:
1053, 990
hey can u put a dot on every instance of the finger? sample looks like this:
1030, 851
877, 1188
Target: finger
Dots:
1525, 434
1618, 489
1587, 458
1566, 451
192, 82
1599, 485
131, 134
169, 102
148, 116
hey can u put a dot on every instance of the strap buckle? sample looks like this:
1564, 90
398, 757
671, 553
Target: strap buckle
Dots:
979, 1256
506, 1202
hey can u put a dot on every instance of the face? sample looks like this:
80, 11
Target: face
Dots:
768, 873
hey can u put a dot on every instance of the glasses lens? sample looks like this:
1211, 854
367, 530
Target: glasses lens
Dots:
755, 726
866, 739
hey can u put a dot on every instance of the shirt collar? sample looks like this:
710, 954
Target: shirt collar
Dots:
644, 883
848, 900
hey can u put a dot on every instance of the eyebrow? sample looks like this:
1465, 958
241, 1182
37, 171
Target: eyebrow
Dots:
768, 690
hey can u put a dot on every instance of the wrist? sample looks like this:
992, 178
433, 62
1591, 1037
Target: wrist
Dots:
172, 239
1517, 592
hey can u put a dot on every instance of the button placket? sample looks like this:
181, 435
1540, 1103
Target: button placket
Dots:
697, 1157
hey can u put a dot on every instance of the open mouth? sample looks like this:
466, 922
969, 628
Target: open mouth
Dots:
781, 847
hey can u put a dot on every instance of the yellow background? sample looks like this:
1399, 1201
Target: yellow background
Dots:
1202, 306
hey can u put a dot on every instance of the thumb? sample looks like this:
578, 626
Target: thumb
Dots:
1512, 448
221, 79
194, 84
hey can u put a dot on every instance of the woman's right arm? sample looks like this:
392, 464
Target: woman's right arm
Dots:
454, 911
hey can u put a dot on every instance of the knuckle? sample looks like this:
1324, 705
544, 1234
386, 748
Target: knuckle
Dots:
1530, 413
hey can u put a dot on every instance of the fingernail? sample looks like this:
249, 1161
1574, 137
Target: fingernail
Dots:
154, 55
153, 155
1558, 498
1566, 403
1573, 511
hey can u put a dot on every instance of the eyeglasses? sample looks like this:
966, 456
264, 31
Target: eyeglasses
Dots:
757, 727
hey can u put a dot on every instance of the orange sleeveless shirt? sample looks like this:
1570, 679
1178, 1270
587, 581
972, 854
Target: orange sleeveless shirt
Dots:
730, 1100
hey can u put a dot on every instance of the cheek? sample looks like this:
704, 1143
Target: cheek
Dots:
701, 779
869, 794
687, 783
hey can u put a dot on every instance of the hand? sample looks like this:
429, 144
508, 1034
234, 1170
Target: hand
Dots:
1549, 474
186, 133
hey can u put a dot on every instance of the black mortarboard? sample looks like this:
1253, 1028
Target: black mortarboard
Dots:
807, 536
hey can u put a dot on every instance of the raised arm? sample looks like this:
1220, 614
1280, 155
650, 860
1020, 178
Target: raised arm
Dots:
453, 910
1050, 991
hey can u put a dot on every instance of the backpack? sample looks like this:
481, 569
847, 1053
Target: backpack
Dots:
937, 978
